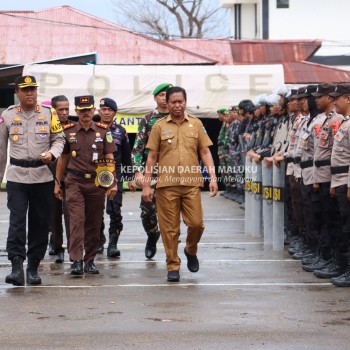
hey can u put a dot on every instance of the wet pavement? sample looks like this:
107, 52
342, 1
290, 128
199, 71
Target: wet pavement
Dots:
242, 297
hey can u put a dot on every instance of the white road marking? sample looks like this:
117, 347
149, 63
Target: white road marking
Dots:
262, 284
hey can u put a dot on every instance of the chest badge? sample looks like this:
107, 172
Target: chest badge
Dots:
15, 138
17, 119
74, 154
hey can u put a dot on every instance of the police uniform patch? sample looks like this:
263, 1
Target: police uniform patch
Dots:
41, 117
1, 120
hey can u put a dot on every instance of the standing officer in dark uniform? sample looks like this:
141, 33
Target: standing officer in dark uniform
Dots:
36, 139
122, 156
88, 154
139, 155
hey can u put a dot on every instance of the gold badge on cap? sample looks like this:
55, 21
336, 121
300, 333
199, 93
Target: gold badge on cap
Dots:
74, 154
102, 102
15, 138
27, 79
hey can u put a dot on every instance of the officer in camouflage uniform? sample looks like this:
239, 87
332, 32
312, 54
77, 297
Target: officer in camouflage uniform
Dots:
36, 139
222, 116
139, 156
233, 160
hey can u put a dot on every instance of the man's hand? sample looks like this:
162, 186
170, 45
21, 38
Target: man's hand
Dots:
332, 192
348, 194
147, 194
139, 179
316, 187
213, 187
111, 192
46, 157
57, 191
268, 162
132, 186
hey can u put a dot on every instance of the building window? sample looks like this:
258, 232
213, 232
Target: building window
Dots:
282, 4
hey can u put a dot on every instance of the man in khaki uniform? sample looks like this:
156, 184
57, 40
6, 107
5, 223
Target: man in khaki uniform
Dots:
175, 142
36, 139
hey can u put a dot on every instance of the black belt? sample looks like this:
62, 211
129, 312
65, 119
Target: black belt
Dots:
325, 162
26, 163
83, 175
307, 164
297, 160
339, 169
289, 160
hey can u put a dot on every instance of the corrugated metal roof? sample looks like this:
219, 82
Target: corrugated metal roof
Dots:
30, 36
253, 51
292, 54
307, 73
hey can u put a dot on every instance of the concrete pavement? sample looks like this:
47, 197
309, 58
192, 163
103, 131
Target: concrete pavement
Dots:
242, 297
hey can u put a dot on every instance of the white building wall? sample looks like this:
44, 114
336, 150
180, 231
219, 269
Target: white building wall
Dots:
310, 19
304, 19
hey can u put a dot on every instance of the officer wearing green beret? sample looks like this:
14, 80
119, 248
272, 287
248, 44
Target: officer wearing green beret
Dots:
139, 155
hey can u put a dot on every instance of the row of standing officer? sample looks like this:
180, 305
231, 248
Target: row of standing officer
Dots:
319, 177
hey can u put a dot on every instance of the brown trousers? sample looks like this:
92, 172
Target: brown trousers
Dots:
171, 202
85, 204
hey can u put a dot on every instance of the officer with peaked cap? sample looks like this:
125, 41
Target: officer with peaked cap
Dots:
88, 157
340, 188
122, 156
35, 137
139, 155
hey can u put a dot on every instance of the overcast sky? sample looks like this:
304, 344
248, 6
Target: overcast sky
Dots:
99, 8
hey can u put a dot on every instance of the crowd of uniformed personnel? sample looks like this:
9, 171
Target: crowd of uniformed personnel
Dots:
307, 132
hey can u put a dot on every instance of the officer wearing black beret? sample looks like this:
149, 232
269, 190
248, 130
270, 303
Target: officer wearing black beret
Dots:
122, 156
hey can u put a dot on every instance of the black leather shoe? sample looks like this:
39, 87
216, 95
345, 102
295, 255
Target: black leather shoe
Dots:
173, 276
77, 268
151, 245
192, 262
100, 249
60, 258
90, 267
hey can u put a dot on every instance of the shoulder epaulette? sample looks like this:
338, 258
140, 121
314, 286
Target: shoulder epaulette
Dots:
191, 116
11, 107
68, 126
102, 125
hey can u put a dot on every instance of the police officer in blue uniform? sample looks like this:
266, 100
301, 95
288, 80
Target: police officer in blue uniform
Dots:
122, 156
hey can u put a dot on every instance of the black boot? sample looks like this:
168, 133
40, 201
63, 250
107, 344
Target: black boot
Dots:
323, 260
32, 272
337, 267
16, 277
112, 251
151, 245
343, 280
